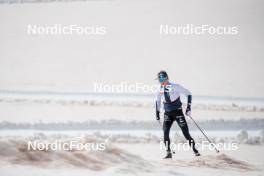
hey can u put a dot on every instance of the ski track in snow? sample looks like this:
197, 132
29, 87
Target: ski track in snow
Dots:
220, 162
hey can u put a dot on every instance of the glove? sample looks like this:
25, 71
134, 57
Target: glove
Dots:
188, 110
157, 115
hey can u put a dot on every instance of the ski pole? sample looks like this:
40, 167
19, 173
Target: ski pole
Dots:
160, 125
205, 135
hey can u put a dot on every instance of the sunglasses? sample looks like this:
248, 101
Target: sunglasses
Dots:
162, 78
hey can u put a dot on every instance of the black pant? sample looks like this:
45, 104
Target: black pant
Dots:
178, 116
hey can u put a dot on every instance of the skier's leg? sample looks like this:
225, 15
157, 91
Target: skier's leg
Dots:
167, 123
185, 130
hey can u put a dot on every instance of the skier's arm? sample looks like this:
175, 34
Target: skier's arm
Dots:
188, 94
157, 105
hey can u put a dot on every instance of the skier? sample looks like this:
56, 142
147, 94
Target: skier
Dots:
169, 93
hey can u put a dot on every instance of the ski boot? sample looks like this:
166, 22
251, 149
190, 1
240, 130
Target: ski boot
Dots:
169, 155
197, 154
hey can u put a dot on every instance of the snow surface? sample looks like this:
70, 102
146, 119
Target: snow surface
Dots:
141, 158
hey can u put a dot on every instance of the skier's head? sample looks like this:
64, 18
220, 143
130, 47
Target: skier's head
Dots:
162, 77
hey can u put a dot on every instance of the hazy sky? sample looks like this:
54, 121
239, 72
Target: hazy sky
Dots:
133, 49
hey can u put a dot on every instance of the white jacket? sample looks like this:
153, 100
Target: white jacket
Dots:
172, 100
